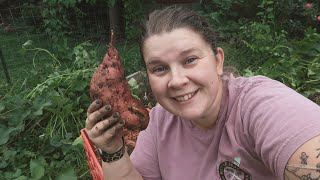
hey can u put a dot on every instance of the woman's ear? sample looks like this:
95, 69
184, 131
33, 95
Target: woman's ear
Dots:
219, 61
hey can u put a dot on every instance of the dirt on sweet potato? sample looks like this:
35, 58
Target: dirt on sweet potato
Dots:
109, 84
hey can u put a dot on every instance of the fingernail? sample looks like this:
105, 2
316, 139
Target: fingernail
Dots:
108, 107
115, 115
98, 101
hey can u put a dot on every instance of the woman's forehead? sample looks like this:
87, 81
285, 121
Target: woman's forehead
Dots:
181, 39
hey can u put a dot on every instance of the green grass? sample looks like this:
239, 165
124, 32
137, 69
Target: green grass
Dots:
28, 68
19, 62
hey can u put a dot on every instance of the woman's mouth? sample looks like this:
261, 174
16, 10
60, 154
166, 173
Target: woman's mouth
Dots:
185, 97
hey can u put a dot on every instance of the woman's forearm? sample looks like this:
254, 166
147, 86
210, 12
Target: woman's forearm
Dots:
121, 169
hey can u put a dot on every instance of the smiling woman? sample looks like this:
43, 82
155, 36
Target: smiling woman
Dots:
209, 124
184, 74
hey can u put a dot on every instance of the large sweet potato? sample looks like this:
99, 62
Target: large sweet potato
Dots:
108, 83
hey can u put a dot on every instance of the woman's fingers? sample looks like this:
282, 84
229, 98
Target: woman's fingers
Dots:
120, 125
94, 106
107, 133
103, 128
116, 129
96, 116
106, 125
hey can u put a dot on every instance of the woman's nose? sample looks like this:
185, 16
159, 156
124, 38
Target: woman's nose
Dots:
178, 79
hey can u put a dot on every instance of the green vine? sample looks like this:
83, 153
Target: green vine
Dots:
134, 13
27, 46
57, 15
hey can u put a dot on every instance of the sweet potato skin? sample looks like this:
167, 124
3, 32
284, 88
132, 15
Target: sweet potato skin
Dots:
108, 83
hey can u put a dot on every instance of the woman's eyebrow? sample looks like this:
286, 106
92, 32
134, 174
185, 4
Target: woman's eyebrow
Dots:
157, 60
154, 60
187, 51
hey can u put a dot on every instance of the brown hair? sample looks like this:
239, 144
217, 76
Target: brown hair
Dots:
174, 17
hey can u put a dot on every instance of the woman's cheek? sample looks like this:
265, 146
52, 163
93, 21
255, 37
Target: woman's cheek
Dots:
156, 85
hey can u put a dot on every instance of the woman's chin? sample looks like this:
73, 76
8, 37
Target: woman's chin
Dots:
190, 115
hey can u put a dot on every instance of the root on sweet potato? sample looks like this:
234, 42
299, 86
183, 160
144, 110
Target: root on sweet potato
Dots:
109, 84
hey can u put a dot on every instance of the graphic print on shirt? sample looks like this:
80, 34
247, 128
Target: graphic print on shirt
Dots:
231, 170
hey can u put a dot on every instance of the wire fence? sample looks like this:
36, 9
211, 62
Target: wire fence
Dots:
88, 23
20, 24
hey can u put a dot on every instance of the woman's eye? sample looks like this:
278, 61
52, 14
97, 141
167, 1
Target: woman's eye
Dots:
190, 60
159, 69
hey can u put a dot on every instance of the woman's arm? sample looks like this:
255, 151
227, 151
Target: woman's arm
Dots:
105, 131
121, 169
284, 128
305, 162
143, 162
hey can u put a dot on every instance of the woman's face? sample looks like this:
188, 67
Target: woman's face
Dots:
184, 74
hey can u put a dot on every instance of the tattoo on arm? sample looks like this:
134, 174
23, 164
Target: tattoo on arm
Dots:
303, 171
304, 158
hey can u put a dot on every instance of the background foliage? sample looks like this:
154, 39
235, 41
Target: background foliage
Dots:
43, 109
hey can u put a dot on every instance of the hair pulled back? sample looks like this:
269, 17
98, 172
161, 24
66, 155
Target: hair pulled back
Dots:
174, 17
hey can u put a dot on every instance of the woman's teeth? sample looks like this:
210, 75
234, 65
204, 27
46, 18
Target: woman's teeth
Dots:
185, 97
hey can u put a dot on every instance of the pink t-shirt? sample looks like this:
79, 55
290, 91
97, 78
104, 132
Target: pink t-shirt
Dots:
260, 125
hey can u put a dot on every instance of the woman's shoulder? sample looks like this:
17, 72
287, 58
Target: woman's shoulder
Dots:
258, 86
240, 88
249, 82
261, 93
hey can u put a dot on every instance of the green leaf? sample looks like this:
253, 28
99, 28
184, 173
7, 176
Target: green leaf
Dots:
132, 82
27, 44
37, 169
269, 9
80, 85
5, 133
39, 104
21, 178
2, 107
55, 141
3, 164
9, 154
77, 141
68, 174
260, 13
17, 174
269, 2
310, 72
248, 73
270, 16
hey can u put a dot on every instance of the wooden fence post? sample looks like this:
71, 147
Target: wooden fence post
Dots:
4, 65
115, 19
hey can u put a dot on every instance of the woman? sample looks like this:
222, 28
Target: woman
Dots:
208, 124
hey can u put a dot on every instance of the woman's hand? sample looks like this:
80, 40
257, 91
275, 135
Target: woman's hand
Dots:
103, 128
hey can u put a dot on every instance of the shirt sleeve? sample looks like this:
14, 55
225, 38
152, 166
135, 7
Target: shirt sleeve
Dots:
278, 121
144, 157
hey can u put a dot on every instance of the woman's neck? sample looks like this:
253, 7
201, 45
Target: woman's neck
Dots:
209, 121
